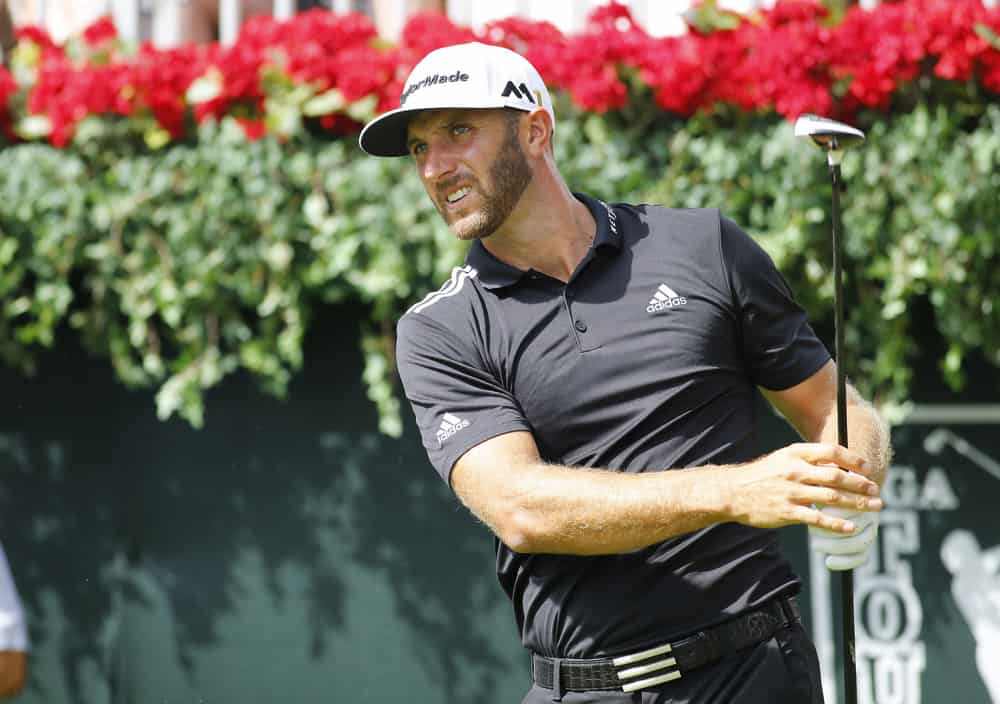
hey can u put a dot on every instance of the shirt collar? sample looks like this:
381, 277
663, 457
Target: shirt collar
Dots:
493, 273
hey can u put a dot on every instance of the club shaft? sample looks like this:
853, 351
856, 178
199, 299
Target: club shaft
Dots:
847, 577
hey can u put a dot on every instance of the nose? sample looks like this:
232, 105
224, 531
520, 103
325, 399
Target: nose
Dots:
436, 163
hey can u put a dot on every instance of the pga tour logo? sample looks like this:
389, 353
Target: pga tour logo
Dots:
450, 424
664, 299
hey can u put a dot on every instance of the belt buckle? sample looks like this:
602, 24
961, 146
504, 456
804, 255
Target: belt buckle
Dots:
655, 666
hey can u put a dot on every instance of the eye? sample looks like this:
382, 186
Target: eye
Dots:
418, 148
457, 130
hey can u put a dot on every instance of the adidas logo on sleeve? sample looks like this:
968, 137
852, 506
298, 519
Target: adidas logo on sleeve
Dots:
450, 424
664, 299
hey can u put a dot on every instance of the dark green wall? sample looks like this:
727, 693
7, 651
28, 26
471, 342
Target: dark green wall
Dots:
288, 552
285, 552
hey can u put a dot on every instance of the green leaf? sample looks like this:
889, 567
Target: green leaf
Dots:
205, 88
363, 110
325, 103
33, 127
988, 34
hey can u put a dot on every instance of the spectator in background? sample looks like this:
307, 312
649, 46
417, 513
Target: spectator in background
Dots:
13, 635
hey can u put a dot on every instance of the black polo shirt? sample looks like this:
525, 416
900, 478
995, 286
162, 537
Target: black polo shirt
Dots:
646, 360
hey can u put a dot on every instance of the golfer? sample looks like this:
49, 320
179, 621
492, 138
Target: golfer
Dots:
586, 385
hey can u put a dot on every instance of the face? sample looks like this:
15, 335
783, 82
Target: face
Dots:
472, 166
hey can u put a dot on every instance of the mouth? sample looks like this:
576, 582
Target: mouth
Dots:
457, 195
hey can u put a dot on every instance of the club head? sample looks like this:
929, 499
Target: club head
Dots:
827, 134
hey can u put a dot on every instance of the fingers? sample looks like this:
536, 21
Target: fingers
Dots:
839, 563
814, 518
839, 544
821, 453
838, 478
845, 551
860, 519
835, 498
864, 518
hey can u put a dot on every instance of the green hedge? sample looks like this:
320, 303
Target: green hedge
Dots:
187, 264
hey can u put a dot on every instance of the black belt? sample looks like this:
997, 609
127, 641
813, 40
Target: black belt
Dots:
668, 661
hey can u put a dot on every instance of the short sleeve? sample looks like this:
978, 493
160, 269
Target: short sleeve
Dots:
13, 631
457, 401
780, 348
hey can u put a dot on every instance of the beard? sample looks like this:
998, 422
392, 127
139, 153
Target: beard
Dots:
510, 174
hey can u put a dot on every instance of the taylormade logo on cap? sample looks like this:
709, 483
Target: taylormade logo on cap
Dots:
430, 81
464, 76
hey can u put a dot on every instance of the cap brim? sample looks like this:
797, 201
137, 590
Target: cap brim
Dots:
386, 134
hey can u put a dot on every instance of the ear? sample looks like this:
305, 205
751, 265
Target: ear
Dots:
539, 128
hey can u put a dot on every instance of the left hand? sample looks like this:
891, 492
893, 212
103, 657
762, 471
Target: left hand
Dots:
845, 552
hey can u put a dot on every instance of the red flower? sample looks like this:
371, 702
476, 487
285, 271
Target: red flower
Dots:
522, 35
7, 88
36, 34
784, 59
253, 129
989, 59
160, 78
67, 95
426, 31
100, 31
797, 11
239, 67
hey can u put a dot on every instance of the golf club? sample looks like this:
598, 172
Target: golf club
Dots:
833, 138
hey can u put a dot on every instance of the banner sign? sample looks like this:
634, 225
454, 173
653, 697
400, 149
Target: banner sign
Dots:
927, 603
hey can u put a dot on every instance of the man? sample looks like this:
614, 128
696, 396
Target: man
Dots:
13, 634
584, 349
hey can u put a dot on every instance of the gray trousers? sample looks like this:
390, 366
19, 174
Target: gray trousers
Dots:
782, 670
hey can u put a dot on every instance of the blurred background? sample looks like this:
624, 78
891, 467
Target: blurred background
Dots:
210, 489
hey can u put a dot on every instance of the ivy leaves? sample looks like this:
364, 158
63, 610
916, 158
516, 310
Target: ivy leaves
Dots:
187, 264
919, 219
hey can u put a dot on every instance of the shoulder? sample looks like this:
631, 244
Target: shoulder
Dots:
684, 227
444, 312
461, 277
699, 219
686, 233
452, 300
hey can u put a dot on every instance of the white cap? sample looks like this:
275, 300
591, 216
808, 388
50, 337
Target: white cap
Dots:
469, 75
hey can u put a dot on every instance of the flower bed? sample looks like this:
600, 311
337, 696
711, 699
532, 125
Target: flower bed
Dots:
331, 70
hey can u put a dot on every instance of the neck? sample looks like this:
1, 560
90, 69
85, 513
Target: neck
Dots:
549, 231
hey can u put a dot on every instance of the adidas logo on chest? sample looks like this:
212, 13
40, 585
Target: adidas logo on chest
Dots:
665, 298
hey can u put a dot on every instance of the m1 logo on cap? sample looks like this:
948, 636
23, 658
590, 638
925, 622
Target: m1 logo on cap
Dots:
433, 79
521, 92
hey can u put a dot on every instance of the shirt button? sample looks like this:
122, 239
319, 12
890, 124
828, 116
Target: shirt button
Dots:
581, 326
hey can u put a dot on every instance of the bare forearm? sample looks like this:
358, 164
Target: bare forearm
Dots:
559, 509
867, 433
537, 507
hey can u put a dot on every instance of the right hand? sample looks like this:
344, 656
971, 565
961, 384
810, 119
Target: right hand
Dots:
782, 488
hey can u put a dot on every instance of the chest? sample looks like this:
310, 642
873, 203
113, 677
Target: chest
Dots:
635, 341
